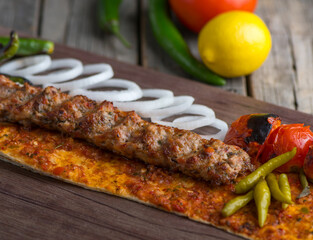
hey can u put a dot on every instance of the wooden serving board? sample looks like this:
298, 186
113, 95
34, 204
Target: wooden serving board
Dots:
37, 207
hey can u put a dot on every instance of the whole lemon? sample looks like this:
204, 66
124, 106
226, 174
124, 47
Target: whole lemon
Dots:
234, 43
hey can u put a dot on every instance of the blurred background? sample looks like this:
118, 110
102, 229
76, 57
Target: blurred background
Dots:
285, 79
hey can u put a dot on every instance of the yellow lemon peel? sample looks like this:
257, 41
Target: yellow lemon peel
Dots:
235, 43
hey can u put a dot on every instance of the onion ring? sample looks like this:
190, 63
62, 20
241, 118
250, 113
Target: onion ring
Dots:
61, 75
180, 104
104, 72
222, 126
132, 93
164, 99
27, 65
207, 117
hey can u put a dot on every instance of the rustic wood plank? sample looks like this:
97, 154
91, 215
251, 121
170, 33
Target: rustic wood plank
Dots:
301, 31
303, 52
83, 31
20, 15
153, 56
274, 81
55, 20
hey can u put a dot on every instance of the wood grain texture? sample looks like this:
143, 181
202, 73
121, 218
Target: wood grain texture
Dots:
55, 18
274, 82
301, 34
74, 22
83, 31
20, 15
286, 77
33, 206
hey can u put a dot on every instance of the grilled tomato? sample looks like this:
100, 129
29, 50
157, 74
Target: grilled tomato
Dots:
250, 131
282, 140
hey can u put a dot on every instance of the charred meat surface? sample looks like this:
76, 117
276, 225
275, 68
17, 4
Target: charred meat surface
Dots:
7, 87
124, 133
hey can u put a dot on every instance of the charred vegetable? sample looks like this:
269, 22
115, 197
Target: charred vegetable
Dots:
9, 48
250, 131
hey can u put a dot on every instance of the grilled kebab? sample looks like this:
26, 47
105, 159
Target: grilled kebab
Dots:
124, 133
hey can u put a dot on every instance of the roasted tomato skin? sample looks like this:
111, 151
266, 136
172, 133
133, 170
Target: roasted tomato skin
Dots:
250, 131
284, 139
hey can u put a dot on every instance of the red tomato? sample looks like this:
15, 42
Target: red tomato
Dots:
194, 14
284, 139
250, 131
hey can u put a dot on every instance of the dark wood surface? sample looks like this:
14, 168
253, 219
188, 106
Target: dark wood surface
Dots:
37, 207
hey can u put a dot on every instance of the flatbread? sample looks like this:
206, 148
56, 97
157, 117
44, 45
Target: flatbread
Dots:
77, 162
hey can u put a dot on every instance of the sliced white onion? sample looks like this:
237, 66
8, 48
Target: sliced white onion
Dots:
27, 65
206, 118
187, 118
222, 126
180, 104
76, 68
132, 93
200, 110
103, 73
164, 99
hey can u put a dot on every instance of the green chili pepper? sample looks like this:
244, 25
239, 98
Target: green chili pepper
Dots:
262, 198
31, 46
236, 203
304, 183
251, 180
9, 48
303, 179
108, 18
275, 191
173, 43
285, 188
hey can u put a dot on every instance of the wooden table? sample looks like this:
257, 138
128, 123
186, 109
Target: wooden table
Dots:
283, 80
286, 78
